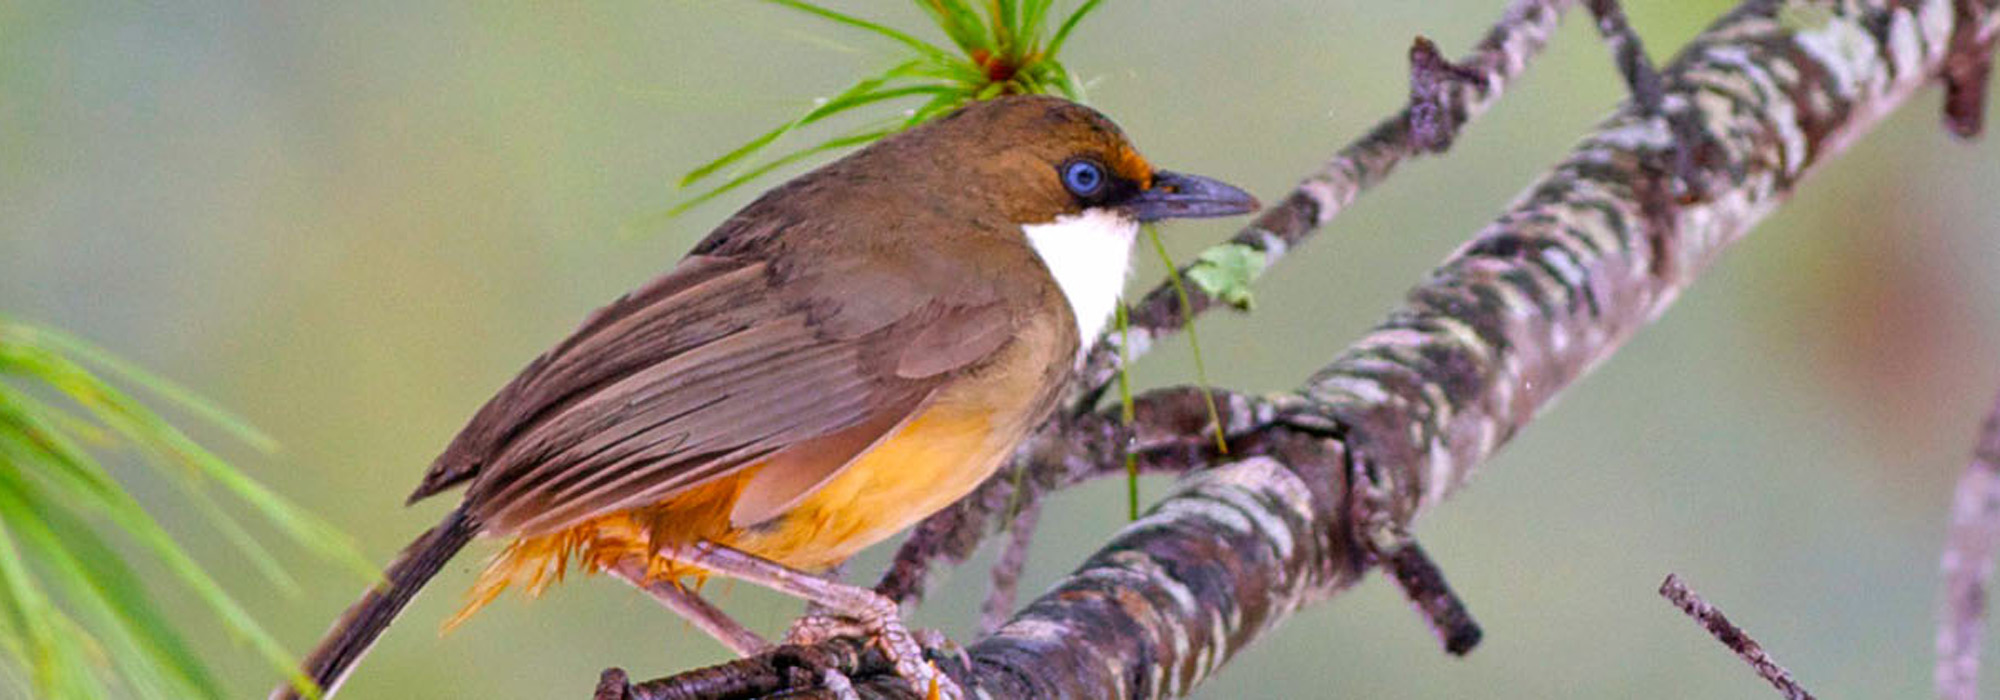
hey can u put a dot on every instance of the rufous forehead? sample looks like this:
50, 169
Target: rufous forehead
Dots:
1092, 131
1128, 164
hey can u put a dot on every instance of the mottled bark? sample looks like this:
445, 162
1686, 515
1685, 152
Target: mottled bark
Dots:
1401, 419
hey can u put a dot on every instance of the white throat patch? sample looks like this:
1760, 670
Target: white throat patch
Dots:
1090, 255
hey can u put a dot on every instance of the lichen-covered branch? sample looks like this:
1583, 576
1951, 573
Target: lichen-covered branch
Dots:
1558, 282
1401, 419
1967, 564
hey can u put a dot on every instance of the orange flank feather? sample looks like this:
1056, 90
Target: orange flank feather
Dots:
933, 460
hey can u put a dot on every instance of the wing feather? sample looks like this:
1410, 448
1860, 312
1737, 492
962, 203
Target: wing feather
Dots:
718, 365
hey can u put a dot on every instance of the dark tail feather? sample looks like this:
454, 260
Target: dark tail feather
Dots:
356, 630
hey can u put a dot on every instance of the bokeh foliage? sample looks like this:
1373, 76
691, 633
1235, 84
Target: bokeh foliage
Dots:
76, 620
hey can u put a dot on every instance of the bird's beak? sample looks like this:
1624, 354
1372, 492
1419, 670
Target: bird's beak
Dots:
1178, 196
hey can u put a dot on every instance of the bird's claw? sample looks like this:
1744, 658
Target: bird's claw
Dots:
886, 631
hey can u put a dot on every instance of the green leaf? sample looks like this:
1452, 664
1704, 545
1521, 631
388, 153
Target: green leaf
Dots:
1052, 73
73, 617
788, 159
860, 94
1062, 34
1194, 341
1006, 24
33, 640
1028, 31
1226, 271
18, 334
153, 656
961, 22
145, 429
921, 46
1123, 318
938, 105
1008, 31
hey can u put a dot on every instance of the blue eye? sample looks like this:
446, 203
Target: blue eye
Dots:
1083, 178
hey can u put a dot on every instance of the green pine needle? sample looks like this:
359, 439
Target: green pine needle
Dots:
1125, 410
924, 48
75, 620
996, 49
1194, 342
1068, 25
836, 143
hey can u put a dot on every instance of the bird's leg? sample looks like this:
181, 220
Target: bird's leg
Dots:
691, 607
818, 617
821, 623
876, 617
836, 682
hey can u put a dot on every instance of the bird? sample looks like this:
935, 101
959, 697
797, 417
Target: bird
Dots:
851, 352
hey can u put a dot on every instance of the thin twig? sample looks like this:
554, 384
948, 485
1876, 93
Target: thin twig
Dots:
1641, 78
1648, 92
1434, 83
1006, 573
1966, 565
1712, 619
1424, 584
1968, 71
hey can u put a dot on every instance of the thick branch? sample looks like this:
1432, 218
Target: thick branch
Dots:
1407, 414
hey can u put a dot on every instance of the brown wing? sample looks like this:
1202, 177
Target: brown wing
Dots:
714, 367
593, 354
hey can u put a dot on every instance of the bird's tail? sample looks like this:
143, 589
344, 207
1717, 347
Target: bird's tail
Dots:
357, 629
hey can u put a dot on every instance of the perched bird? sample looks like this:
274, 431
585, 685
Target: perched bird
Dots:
853, 351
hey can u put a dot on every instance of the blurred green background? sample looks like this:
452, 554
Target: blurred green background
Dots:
353, 221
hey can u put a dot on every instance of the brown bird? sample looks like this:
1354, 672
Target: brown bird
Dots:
853, 351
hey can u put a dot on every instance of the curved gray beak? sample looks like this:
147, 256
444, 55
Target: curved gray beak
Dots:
1180, 196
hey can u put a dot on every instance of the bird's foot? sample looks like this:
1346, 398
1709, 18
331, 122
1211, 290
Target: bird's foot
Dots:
880, 622
867, 614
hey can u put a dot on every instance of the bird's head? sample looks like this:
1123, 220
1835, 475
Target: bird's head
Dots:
1056, 172
1051, 173
1037, 159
